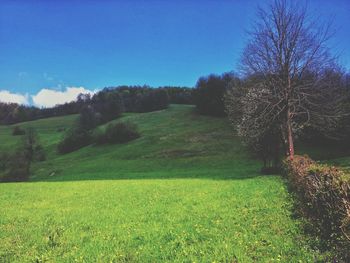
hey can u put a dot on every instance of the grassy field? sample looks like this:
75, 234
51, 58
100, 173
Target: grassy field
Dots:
186, 191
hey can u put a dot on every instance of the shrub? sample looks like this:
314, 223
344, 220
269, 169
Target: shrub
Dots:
60, 129
118, 133
73, 140
18, 131
324, 195
40, 154
17, 167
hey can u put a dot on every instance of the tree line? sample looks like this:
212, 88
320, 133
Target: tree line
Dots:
128, 98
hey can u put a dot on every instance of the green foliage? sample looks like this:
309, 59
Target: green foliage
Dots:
16, 165
88, 118
180, 95
209, 94
74, 139
324, 195
31, 146
108, 104
142, 99
17, 130
153, 100
118, 133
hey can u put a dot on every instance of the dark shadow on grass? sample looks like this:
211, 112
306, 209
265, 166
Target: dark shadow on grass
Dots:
211, 173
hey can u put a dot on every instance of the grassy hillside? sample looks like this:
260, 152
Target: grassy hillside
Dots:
185, 191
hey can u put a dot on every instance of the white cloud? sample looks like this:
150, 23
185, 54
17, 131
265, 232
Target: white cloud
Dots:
50, 97
7, 96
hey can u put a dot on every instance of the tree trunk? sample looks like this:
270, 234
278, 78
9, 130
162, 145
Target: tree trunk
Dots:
290, 136
290, 152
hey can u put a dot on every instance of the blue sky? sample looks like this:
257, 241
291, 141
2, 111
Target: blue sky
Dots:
52, 45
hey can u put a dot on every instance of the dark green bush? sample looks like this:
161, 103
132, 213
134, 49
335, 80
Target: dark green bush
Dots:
17, 167
324, 197
60, 129
74, 139
18, 131
4, 158
118, 133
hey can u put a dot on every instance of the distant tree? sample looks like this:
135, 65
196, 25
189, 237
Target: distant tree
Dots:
29, 143
83, 99
88, 118
179, 95
152, 100
109, 104
17, 164
160, 98
288, 54
209, 94
32, 149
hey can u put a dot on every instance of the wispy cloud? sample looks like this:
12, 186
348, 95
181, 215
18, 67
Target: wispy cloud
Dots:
7, 96
22, 74
48, 77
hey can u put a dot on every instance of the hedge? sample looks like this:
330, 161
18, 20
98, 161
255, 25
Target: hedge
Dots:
324, 199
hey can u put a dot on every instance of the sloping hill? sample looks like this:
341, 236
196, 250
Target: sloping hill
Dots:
185, 191
175, 143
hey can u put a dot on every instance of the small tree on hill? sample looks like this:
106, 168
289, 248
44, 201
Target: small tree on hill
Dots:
88, 118
17, 164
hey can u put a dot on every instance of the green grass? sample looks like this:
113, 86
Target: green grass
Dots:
186, 191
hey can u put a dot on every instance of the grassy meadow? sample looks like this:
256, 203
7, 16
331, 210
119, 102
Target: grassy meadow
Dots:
185, 191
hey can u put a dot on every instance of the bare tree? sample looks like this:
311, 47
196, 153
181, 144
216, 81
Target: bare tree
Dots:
247, 108
288, 53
